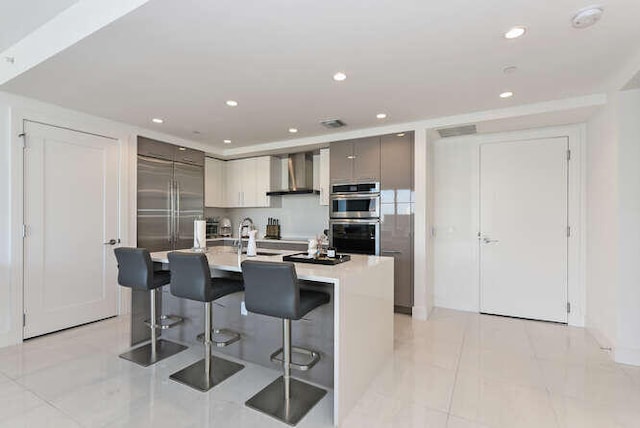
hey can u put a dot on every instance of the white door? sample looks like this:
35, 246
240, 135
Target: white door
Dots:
523, 229
70, 211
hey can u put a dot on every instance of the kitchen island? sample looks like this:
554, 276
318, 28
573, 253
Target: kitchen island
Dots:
354, 333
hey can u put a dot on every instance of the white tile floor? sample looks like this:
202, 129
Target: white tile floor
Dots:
457, 370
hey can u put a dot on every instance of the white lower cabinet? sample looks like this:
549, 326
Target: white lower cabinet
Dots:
245, 182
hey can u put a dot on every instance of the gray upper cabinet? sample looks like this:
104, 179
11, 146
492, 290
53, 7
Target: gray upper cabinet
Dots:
160, 150
355, 160
155, 149
396, 172
189, 156
340, 161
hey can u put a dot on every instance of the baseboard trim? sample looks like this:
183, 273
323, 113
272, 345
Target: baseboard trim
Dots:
419, 313
629, 356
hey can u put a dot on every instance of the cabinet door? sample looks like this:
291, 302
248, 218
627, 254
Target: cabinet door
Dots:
397, 242
366, 165
214, 183
396, 172
233, 184
341, 161
261, 181
324, 176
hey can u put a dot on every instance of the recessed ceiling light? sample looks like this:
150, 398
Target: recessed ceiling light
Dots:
515, 32
400, 134
232, 103
227, 141
157, 120
507, 94
381, 115
293, 130
182, 149
339, 76
510, 69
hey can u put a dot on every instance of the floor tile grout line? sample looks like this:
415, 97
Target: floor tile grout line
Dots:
547, 388
455, 377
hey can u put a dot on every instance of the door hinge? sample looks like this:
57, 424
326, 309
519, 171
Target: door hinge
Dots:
568, 155
24, 320
568, 307
568, 231
24, 230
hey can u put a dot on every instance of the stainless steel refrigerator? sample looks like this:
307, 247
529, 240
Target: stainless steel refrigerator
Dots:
170, 195
170, 198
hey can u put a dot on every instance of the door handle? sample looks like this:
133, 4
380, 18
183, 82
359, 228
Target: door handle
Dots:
112, 242
489, 241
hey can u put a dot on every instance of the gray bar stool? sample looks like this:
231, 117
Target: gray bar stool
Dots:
272, 289
135, 270
191, 279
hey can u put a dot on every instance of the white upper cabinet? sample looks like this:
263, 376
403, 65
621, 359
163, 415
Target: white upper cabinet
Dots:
214, 183
241, 183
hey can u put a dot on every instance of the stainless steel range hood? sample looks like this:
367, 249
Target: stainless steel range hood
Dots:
300, 166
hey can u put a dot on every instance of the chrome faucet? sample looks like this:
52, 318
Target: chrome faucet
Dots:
245, 222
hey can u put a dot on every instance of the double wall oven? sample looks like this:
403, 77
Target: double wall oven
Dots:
354, 225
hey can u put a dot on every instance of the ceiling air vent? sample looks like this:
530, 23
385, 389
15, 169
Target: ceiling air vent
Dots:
332, 123
457, 131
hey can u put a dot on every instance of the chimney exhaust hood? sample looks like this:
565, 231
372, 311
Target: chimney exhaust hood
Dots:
300, 166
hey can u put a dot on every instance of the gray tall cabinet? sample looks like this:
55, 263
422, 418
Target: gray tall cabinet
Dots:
397, 213
389, 160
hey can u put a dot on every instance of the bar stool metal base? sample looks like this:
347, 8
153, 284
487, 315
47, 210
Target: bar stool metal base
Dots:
143, 355
195, 375
271, 400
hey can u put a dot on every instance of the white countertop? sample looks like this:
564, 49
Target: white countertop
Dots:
283, 241
226, 258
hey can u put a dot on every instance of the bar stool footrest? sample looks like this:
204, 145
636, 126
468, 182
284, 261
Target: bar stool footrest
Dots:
312, 358
232, 337
164, 322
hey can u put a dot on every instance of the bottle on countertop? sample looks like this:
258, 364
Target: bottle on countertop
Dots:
312, 249
252, 248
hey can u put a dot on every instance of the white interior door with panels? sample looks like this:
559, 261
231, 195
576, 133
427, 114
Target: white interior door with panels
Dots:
71, 227
524, 229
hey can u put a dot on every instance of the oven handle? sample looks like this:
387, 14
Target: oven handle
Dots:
355, 196
354, 221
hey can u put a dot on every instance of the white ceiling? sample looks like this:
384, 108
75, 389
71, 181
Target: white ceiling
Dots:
413, 59
20, 17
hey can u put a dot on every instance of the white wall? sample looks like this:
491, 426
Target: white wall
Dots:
5, 219
602, 225
628, 342
455, 227
613, 218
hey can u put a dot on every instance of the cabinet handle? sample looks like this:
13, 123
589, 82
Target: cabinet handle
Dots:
391, 252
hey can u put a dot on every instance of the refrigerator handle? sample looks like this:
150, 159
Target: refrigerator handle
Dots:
177, 215
170, 217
